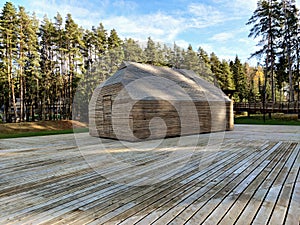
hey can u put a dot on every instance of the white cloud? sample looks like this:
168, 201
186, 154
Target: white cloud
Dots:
207, 47
248, 5
127, 26
81, 12
204, 15
237, 8
182, 43
75, 7
222, 37
203, 10
159, 26
125, 4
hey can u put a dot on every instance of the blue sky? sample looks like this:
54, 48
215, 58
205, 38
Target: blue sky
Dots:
215, 25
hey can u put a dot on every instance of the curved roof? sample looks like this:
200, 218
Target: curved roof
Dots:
163, 82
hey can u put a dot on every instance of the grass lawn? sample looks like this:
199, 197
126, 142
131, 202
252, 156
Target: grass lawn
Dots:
29, 129
276, 119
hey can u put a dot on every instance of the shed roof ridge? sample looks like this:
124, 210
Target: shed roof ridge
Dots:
198, 88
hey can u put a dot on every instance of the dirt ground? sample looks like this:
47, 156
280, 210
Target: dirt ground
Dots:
13, 128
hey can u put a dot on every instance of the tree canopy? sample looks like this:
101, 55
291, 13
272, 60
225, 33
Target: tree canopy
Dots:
44, 64
276, 23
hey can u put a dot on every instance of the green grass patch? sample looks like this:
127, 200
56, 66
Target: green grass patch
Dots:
43, 133
276, 119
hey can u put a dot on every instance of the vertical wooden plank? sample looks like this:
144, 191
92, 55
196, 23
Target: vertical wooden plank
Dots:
107, 110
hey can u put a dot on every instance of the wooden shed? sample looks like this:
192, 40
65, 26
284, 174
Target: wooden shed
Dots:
141, 102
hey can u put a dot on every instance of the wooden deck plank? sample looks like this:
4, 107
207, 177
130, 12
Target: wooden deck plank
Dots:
74, 204
283, 200
152, 194
249, 201
154, 211
266, 209
98, 215
252, 176
40, 196
293, 216
241, 198
44, 207
185, 186
202, 206
169, 211
111, 205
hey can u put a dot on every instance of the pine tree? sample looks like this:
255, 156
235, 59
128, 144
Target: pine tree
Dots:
27, 54
227, 77
100, 43
132, 51
114, 41
59, 43
60, 72
167, 55
8, 21
205, 65
94, 55
160, 56
176, 57
48, 65
32, 67
191, 60
257, 82
150, 52
204, 56
253, 76
266, 23
88, 50
74, 43
281, 71
115, 54
217, 70
288, 43
239, 79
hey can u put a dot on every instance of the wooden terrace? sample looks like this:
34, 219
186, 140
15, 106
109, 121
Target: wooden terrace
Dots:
246, 176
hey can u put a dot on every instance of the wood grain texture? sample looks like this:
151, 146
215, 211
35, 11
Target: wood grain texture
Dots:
185, 103
253, 178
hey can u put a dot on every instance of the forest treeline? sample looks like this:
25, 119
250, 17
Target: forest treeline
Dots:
44, 63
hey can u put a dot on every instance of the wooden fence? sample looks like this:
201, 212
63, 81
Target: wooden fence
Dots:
268, 107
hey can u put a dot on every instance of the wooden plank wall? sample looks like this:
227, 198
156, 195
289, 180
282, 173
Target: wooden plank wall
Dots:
130, 119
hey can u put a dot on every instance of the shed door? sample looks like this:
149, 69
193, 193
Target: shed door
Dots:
107, 110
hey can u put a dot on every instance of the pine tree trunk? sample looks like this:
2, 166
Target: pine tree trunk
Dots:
21, 75
291, 87
272, 57
25, 102
43, 104
12, 86
14, 101
32, 111
21, 95
70, 88
5, 111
